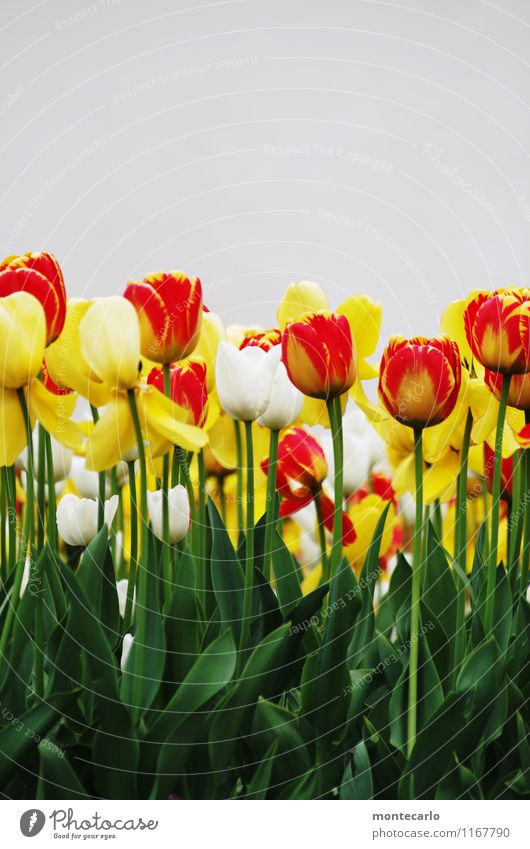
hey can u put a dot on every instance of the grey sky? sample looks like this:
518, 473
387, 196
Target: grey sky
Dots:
369, 145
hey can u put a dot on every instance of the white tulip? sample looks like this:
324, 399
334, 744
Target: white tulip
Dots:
244, 379
126, 647
285, 403
179, 513
85, 481
61, 458
121, 587
77, 518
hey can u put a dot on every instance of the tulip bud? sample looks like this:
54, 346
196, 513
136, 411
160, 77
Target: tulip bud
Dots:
179, 513
126, 647
497, 327
285, 403
77, 518
420, 380
244, 380
319, 354
122, 587
169, 308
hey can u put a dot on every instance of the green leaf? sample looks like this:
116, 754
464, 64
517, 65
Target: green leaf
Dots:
57, 779
439, 588
182, 625
233, 714
25, 732
287, 584
259, 784
275, 724
358, 786
227, 575
98, 581
145, 665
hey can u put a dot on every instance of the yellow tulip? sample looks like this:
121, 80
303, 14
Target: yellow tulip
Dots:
65, 362
109, 336
22, 339
212, 334
364, 318
365, 515
298, 299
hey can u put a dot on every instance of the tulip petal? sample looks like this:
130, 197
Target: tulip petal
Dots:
12, 431
109, 336
159, 416
113, 435
22, 339
54, 412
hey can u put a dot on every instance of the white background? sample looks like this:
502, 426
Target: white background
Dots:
140, 136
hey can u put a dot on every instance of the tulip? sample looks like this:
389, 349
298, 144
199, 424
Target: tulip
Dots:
212, 334
22, 339
38, 274
420, 379
264, 339
169, 308
128, 641
121, 588
179, 513
65, 363
300, 298
244, 380
285, 402
187, 387
518, 392
319, 354
77, 518
109, 336
419, 383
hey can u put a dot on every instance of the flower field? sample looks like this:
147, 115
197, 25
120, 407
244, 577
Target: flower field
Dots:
232, 568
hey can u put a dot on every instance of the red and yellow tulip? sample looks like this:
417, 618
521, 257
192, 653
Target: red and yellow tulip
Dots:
420, 380
497, 327
38, 274
169, 307
319, 354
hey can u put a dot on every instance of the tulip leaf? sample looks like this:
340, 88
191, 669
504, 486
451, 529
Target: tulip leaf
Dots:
287, 583
234, 712
182, 624
97, 579
439, 588
400, 584
25, 732
258, 786
358, 785
272, 723
57, 779
145, 664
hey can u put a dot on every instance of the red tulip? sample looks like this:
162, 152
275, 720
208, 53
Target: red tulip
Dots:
419, 380
301, 469
319, 354
40, 275
169, 308
187, 384
518, 393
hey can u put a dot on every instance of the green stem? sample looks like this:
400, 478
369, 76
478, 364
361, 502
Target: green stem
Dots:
239, 472
335, 417
249, 545
322, 539
101, 479
416, 595
27, 544
41, 488
201, 527
131, 582
52, 510
461, 547
525, 557
11, 495
496, 495
270, 523
166, 550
